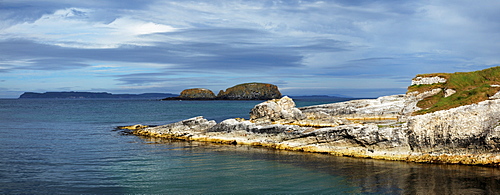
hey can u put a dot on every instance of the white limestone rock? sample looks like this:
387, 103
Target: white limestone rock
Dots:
427, 80
382, 107
471, 129
275, 110
449, 92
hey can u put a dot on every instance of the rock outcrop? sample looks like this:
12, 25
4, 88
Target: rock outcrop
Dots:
388, 127
246, 91
276, 110
197, 93
250, 91
427, 80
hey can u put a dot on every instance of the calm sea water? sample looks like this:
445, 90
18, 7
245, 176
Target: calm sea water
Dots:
70, 147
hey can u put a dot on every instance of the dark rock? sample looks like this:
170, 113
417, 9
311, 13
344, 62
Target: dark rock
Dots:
246, 91
250, 91
197, 93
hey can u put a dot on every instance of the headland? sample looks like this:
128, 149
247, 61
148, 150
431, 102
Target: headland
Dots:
449, 118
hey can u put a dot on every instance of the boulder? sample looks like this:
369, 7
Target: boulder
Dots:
276, 110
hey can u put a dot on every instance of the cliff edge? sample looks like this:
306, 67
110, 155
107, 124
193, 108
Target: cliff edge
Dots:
390, 127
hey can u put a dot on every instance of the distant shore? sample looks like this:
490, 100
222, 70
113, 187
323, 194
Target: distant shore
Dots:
87, 95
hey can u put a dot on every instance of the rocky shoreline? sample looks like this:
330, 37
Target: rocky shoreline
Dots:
374, 130
383, 128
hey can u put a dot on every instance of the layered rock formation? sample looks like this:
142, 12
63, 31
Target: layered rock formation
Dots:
388, 128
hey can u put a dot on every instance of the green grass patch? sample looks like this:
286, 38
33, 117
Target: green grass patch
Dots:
471, 87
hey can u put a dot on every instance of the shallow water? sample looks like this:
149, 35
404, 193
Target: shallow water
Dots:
70, 147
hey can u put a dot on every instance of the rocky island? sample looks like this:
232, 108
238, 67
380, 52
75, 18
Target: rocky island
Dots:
245, 91
194, 94
443, 118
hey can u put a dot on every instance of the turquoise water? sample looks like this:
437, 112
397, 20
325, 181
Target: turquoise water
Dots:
71, 147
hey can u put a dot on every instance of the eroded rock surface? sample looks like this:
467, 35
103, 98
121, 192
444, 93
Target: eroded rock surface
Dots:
427, 80
276, 110
373, 128
384, 128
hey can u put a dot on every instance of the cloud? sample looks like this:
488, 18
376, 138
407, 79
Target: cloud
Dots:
189, 55
302, 45
52, 64
72, 27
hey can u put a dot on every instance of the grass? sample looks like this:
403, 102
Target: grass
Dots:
470, 87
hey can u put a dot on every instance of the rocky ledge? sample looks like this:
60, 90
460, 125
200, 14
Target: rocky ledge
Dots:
383, 128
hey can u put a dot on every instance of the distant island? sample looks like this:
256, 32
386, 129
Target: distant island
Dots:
85, 95
245, 91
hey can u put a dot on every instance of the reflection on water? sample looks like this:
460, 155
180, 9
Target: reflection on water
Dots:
368, 175
68, 147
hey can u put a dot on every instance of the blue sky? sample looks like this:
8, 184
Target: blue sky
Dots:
351, 47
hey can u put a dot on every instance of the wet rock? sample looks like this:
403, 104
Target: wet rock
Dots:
187, 127
132, 127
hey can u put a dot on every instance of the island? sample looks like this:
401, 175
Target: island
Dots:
82, 95
449, 118
245, 91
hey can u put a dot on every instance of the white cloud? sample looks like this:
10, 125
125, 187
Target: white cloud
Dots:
72, 28
251, 40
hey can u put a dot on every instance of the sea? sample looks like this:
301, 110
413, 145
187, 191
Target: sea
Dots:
71, 146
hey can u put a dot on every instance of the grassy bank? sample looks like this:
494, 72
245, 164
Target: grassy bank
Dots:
470, 87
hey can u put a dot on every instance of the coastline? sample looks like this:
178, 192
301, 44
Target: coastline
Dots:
243, 137
381, 128
436, 121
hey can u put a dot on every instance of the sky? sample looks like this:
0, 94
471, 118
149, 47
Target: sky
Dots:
357, 48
